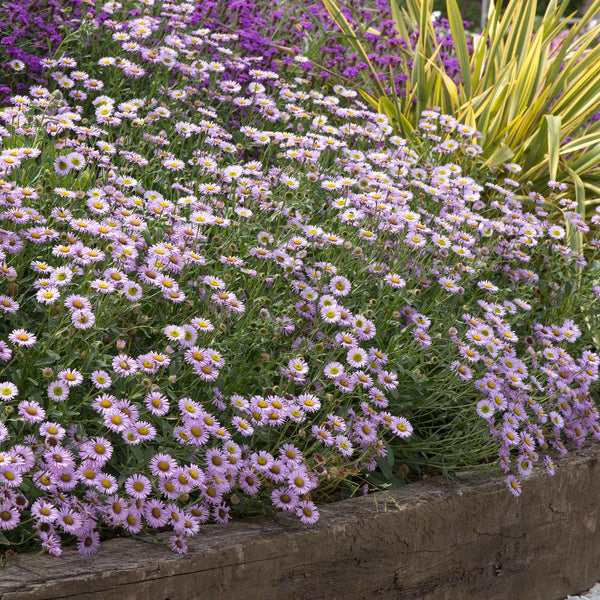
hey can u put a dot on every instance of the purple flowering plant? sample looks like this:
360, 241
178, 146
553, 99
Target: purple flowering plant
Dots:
31, 30
275, 32
226, 290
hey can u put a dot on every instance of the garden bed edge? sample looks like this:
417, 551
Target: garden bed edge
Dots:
431, 540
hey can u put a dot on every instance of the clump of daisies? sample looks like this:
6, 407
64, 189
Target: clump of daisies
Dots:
221, 298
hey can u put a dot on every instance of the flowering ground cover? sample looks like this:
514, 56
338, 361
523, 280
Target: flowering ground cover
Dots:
229, 289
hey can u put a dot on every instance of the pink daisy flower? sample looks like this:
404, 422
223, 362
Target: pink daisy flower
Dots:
340, 286
307, 511
71, 377
357, 357
401, 427
8, 391
31, 411
162, 465
10, 517
124, 365
88, 543
155, 513
513, 485
83, 319
333, 370
285, 498
44, 511
23, 338
178, 544
138, 486
101, 380
58, 391
48, 295
157, 404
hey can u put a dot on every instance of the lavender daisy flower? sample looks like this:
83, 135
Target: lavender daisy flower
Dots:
9, 517
334, 370
285, 499
486, 409
138, 486
83, 319
344, 445
58, 391
101, 379
88, 543
3, 432
249, 481
71, 377
155, 513
22, 338
178, 544
31, 411
357, 357
162, 465
106, 483
401, 427
157, 404
513, 485
8, 391
69, 520
44, 511
307, 511
5, 351
124, 365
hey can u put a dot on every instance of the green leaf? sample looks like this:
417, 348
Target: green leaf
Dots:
576, 236
386, 107
385, 466
49, 358
586, 161
553, 123
399, 20
16, 377
460, 43
445, 84
340, 20
584, 141
406, 125
369, 98
501, 155
521, 16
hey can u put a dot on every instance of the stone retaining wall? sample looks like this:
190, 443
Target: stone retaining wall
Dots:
432, 540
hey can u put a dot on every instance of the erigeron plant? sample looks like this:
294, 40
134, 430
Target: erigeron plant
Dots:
221, 297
